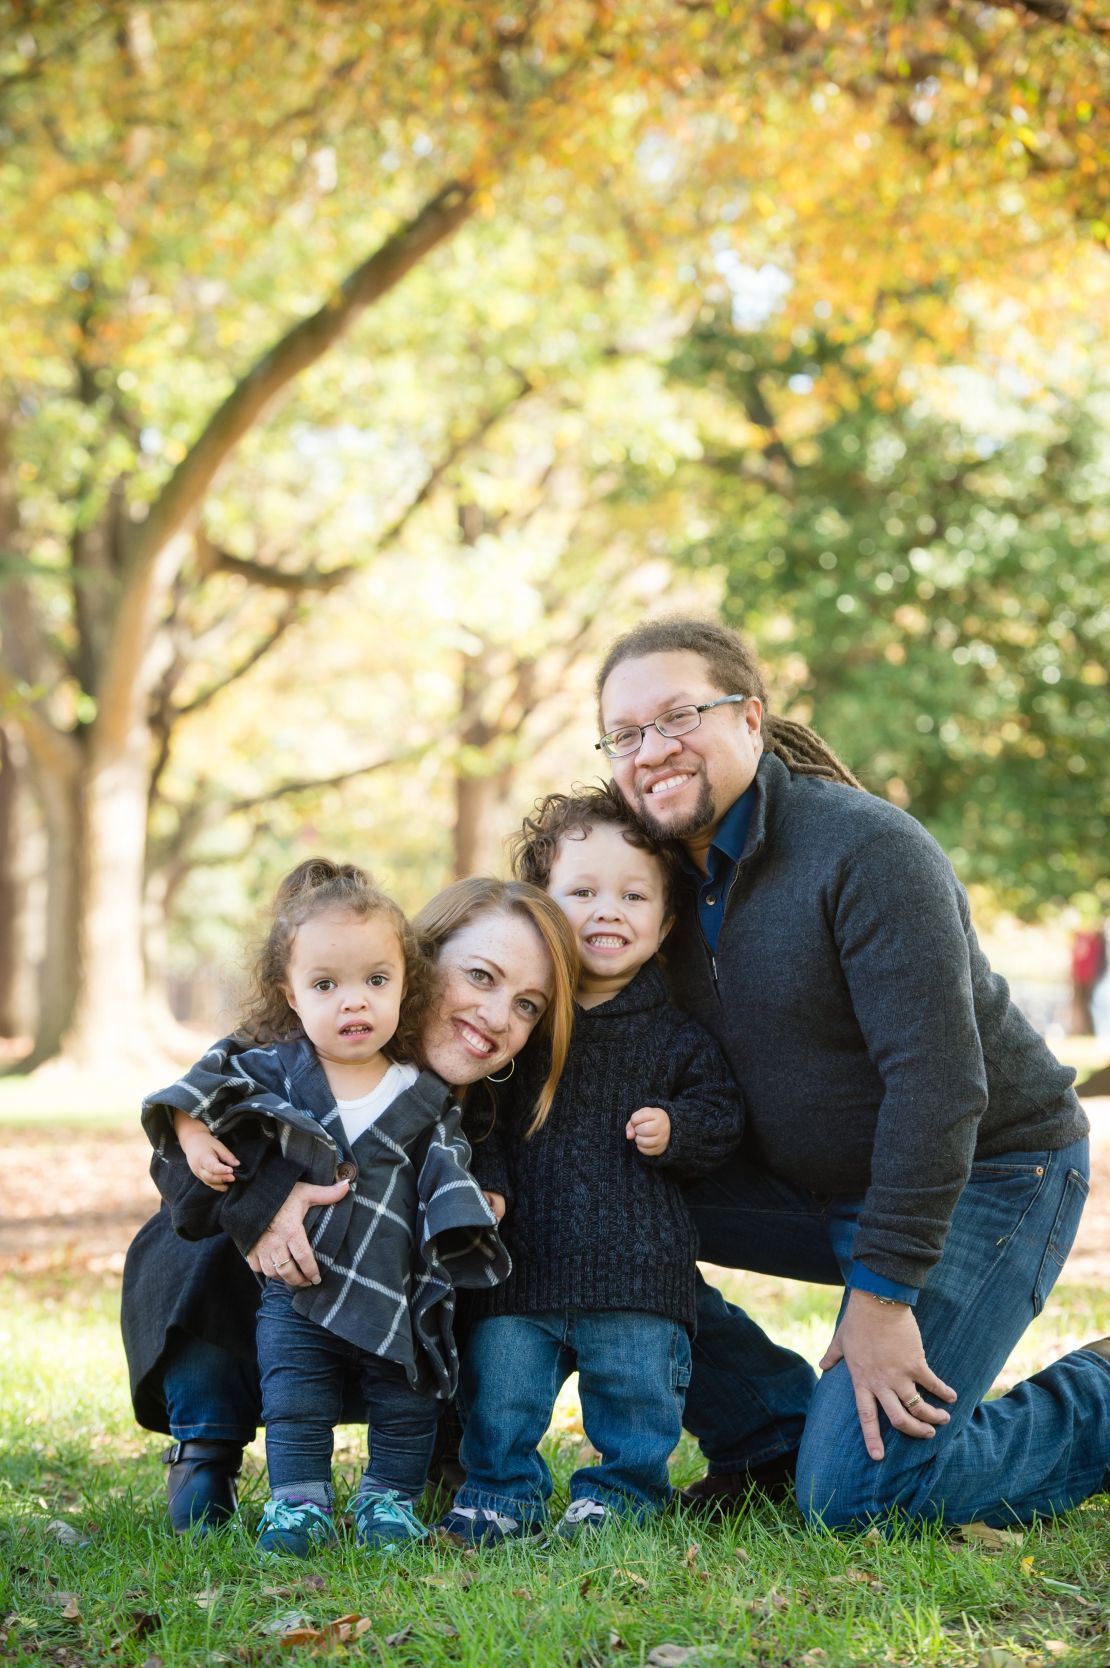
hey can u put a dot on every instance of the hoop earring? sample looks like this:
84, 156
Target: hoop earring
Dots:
508, 1074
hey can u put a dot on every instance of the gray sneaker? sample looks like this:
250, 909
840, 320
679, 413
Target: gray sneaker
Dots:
582, 1514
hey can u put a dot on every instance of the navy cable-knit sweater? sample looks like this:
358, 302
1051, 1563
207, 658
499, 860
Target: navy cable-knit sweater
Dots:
591, 1223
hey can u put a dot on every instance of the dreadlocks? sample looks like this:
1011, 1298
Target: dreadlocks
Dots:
734, 669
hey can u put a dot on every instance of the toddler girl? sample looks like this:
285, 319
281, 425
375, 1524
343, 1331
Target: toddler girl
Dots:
339, 993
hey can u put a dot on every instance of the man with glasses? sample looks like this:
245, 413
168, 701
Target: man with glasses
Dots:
910, 1137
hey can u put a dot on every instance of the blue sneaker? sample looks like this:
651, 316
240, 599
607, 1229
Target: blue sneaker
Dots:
481, 1526
295, 1527
580, 1515
385, 1520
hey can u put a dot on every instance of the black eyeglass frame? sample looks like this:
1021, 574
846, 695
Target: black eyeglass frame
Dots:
687, 706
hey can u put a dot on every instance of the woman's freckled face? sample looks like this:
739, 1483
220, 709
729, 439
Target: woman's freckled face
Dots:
495, 982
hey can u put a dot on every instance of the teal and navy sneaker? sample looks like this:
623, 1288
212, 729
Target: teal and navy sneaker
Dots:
294, 1527
385, 1520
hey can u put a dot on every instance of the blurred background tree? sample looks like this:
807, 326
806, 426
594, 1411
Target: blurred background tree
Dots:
367, 366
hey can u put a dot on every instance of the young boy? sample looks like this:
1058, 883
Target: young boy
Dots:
593, 1216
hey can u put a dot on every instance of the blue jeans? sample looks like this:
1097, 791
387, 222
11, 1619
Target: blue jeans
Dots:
304, 1369
633, 1369
1040, 1448
209, 1392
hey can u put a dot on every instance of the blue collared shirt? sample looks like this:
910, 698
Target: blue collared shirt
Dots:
722, 859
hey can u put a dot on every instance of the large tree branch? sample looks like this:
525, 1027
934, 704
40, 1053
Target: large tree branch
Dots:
293, 353
53, 750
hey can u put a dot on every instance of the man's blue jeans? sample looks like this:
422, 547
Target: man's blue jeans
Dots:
1042, 1447
633, 1369
304, 1370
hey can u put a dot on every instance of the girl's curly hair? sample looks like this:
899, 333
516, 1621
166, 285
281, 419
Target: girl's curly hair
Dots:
310, 889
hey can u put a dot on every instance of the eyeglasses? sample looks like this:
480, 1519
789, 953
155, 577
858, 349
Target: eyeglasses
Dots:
679, 721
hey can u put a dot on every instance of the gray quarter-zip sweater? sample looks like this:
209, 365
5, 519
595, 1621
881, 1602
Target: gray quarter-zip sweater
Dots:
876, 1052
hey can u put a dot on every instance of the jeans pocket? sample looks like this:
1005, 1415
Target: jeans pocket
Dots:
680, 1360
1064, 1230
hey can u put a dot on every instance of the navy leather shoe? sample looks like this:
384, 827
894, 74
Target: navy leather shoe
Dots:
200, 1483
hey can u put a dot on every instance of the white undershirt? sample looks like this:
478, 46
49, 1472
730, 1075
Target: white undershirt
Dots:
358, 1115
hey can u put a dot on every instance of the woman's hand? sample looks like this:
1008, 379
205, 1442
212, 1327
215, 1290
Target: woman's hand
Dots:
881, 1347
283, 1251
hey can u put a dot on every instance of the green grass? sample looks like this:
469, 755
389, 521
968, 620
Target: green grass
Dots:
761, 1590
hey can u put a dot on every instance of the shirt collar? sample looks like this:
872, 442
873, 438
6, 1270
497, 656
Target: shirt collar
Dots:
731, 835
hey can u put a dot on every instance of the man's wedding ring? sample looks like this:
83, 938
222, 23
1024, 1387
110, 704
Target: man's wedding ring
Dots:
289, 1260
913, 1401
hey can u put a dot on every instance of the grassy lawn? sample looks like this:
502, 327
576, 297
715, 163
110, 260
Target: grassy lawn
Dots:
91, 1573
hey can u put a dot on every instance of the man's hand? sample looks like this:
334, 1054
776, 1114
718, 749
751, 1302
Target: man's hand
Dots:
881, 1346
650, 1128
496, 1203
283, 1251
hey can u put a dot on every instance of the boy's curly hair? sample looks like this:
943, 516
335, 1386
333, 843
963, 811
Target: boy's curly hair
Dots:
532, 852
314, 886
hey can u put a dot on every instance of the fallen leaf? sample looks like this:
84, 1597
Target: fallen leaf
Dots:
742, 1555
289, 1621
153, 1662
873, 1535
64, 1532
669, 1656
399, 1638
997, 1656
633, 1579
67, 1603
814, 1657
523, 1593
1055, 1647
991, 1539
299, 1636
692, 1554
584, 1586
616, 1643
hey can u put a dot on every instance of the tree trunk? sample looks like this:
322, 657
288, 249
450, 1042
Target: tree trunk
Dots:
15, 1019
108, 1024
57, 793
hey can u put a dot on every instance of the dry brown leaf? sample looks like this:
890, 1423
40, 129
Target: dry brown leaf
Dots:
692, 1554
616, 1643
207, 1597
399, 1638
742, 1555
523, 1593
64, 1532
584, 1585
68, 1603
634, 1580
153, 1662
1055, 1647
669, 1656
299, 1636
986, 1536
814, 1658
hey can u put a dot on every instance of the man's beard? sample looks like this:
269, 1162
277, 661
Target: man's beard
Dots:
680, 828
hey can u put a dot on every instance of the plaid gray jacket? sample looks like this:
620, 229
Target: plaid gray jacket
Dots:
412, 1227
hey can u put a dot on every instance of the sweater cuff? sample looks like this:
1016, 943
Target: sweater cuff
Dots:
863, 1279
